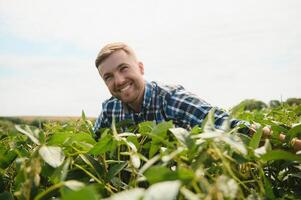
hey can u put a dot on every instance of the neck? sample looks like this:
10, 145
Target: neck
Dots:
137, 104
136, 108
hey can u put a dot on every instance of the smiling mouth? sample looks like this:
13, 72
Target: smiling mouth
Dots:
123, 89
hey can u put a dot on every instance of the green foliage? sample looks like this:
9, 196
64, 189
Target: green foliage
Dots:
293, 101
274, 103
152, 161
250, 105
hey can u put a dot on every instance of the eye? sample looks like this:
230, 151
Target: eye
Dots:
107, 78
124, 68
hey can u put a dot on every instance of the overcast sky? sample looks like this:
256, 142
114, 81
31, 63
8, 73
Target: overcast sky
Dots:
224, 51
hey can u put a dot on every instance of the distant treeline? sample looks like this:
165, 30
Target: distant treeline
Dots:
253, 104
17, 120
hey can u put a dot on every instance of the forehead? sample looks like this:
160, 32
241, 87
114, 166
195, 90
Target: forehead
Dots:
114, 60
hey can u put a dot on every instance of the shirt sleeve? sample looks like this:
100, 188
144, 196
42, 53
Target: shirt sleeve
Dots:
186, 109
220, 116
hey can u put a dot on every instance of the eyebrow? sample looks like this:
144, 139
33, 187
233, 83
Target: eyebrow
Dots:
120, 65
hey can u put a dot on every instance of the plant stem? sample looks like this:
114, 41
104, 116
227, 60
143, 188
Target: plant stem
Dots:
95, 178
50, 189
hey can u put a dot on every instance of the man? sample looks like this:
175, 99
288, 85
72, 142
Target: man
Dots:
137, 100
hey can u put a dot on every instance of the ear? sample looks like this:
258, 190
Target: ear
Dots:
141, 67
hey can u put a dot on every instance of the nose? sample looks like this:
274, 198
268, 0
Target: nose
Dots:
119, 80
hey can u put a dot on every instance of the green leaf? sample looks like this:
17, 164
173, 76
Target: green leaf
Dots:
83, 137
3, 183
167, 190
280, 155
64, 170
208, 123
133, 194
183, 136
298, 110
295, 131
159, 173
154, 148
254, 142
235, 142
60, 173
268, 188
209, 135
59, 138
33, 134
146, 127
278, 128
87, 192
185, 174
6, 196
74, 185
158, 136
7, 158
103, 146
113, 147
54, 156
82, 142
196, 130
94, 164
115, 169
162, 129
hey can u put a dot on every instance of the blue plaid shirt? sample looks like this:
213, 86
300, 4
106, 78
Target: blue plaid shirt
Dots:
162, 103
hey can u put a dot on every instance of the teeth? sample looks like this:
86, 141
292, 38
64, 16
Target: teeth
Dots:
125, 88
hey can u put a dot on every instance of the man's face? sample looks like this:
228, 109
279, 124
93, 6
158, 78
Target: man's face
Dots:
123, 75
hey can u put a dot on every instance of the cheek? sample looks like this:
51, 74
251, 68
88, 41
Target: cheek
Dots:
110, 86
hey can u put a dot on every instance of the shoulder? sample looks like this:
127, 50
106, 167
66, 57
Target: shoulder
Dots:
178, 96
175, 92
167, 89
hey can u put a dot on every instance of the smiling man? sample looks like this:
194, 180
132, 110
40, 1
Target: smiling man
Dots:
138, 100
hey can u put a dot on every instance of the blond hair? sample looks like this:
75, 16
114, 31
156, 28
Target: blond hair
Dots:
108, 49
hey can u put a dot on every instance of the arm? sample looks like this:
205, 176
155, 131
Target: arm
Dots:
186, 109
